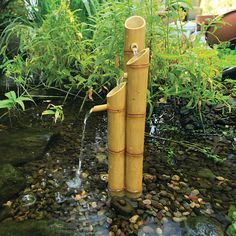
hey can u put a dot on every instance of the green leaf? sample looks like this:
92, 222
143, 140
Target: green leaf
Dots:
11, 95
6, 104
18, 101
57, 115
25, 98
48, 112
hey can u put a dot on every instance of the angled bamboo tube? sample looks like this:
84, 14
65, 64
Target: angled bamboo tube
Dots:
116, 103
134, 36
137, 70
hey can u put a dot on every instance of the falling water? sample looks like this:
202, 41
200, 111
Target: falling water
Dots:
135, 51
76, 182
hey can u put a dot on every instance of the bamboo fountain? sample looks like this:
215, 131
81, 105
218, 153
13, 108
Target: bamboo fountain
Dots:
126, 107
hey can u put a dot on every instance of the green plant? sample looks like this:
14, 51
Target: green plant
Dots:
13, 102
56, 111
170, 156
182, 68
231, 230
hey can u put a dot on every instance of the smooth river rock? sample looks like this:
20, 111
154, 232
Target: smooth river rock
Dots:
202, 226
36, 228
11, 182
24, 145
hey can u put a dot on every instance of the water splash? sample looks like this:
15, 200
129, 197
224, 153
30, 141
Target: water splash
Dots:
28, 200
76, 182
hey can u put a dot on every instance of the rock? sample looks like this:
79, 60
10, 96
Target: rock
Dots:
179, 219
134, 219
11, 182
194, 192
22, 146
148, 229
175, 178
202, 226
206, 173
36, 228
5, 212
147, 202
122, 206
220, 178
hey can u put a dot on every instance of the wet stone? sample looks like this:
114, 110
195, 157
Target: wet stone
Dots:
11, 182
122, 206
24, 145
36, 228
202, 226
206, 173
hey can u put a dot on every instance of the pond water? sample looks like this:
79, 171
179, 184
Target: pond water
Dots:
62, 189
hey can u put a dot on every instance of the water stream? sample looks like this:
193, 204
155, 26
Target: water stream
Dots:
76, 181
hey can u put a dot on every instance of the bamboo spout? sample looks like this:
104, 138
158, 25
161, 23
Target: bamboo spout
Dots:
98, 108
116, 102
134, 35
137, 69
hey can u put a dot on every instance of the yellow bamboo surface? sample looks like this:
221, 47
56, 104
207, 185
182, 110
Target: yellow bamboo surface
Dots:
134, 34
116, 103
137, 69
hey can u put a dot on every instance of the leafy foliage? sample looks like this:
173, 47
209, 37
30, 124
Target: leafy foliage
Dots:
13, 102
78, 46
231, 231
56, 111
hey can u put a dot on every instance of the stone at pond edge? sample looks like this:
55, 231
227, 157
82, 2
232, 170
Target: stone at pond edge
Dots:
11, 182
24, 145
206, 173
36, 228
122, 206
202, 226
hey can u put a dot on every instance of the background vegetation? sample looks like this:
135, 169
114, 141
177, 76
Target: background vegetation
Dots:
77, 48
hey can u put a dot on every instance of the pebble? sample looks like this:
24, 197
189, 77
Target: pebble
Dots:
147, 202
111, 233
175, 178
220, 178
133, 219
104, 177
163, 193
186, 213
163, 202
195, 192
84, 175
90, 228
118, 233
179, 219
159, 231
109, 220
164, 177
193, 205
177, 214
148, 229
94, 204
183, 184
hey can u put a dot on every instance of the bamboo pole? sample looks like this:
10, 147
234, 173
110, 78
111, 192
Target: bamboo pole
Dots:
116, 103
134, 36
137, 70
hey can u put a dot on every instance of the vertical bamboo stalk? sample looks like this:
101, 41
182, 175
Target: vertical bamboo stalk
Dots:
137, 70
116, 103
134, 34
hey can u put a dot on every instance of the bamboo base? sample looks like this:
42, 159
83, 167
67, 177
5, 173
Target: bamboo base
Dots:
133, 195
